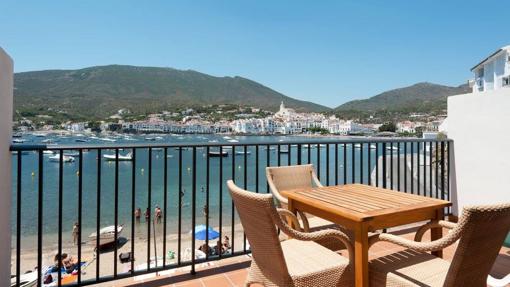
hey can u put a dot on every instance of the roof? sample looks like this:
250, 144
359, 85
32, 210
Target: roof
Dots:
505, 48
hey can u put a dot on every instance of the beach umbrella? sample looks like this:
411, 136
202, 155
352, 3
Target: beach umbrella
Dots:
201, 232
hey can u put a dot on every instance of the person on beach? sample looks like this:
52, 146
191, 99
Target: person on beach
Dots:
204, 248
218, 249
226, 243
205, 211
68, 262
158, 214
147, 214
138, 214
76, 230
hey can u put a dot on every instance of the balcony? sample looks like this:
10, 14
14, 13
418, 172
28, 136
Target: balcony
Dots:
105, 184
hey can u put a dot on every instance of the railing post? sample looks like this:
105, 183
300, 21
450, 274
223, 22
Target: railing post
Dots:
6, 96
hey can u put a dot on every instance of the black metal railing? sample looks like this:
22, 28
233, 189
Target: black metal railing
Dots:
99, 178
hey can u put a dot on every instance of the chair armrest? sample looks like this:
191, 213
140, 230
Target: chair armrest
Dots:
290, 216
433, 224
315, 179
435, 245
314, 236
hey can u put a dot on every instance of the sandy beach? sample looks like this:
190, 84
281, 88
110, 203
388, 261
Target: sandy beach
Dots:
106, 256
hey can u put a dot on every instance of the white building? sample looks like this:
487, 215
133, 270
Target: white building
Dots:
493, 73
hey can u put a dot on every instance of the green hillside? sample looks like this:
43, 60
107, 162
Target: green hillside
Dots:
101, 91
421, 97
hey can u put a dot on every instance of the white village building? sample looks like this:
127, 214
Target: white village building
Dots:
493, 73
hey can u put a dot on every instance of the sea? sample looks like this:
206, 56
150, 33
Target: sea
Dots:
207, 184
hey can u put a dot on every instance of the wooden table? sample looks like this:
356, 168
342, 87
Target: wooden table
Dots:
363, 208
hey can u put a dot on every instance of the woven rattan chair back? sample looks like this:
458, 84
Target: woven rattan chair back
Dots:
255, 211
290, 177
482, 232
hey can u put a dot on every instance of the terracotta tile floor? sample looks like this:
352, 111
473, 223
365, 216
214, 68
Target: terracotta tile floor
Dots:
233, 271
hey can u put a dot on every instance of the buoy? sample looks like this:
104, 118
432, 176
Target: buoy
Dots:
239, 167
77, 173
33, 173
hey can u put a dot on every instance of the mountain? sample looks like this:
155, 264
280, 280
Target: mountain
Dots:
101, 91
415, 98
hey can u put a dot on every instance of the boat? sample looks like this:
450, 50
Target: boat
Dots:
107, 139
17, 135
213, 141
106, 235
81, 140
17, 140
25, 280
65, 158
218, 154
48, 152
25, 152
48, 141
157, 149
150, 138
390, 148
243, 153
372, 146
233, 141
39, 135
71, 153
127, 157
284, 151
158, 138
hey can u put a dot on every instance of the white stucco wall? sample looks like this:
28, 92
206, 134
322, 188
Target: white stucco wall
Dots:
479, 125
6, 90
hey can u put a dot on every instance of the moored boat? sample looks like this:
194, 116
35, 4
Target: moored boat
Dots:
218, 154
65, 158
106, 235
127, 157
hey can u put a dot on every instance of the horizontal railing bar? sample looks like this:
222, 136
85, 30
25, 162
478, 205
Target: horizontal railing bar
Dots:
109, 278
34, 147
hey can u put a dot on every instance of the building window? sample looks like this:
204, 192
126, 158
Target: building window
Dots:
506, 81
480, 73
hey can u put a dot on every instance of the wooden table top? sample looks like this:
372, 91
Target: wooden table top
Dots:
359, 202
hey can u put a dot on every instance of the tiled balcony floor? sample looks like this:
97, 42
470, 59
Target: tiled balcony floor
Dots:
233, 271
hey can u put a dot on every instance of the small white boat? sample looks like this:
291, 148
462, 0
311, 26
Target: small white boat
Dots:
65, 158
394, 148
48, 152
71, 153
213, 141
150, 138
39, 135
25, 280
127, 157
18, 140
218, 154
81, 140
372, 146
284, 151
107, 140
243, 153
227, 137
233, 141
106, 235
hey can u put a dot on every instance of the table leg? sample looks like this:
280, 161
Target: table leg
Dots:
291, 208
361, 255
437, 233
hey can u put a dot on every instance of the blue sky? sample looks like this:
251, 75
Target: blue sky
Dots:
328, 52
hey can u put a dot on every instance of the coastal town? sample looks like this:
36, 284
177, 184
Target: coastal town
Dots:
228, 119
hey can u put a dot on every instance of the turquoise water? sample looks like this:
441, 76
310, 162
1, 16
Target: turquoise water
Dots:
89, 206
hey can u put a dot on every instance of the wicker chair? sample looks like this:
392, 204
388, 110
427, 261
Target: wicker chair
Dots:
294, 262
481, 230
294, 177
